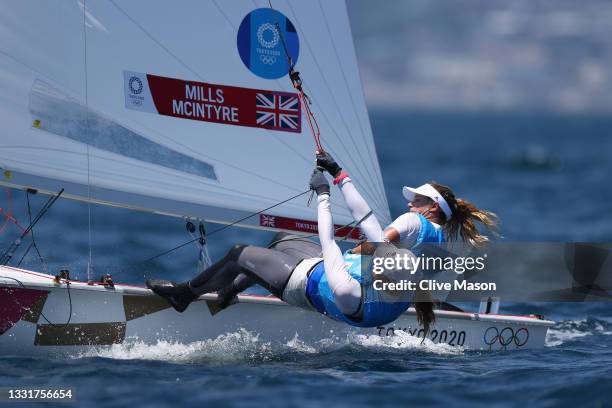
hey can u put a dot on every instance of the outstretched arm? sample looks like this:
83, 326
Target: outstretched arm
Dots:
354, 201
346, 289
360, 209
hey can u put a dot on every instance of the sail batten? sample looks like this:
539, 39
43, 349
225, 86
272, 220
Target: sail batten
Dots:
183, 110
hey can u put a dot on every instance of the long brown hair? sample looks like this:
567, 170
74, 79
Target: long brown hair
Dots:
462, 222
423, 306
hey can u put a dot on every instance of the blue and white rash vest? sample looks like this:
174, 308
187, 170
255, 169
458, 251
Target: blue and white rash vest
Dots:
375, 311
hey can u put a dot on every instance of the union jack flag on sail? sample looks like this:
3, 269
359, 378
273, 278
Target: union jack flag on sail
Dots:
278, 111
267, 220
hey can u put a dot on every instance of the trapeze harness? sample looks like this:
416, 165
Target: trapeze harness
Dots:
373, 310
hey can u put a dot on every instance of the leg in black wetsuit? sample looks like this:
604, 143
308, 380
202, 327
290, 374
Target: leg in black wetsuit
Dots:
289, 244
271, 268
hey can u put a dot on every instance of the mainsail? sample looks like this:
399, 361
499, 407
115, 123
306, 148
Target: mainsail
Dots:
182, 108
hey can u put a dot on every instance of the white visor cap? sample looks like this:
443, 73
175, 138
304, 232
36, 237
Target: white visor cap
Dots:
428, 190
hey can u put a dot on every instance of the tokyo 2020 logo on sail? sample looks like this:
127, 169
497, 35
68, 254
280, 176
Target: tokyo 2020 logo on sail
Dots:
263, 36
135, 85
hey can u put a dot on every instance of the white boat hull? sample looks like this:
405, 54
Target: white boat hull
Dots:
103, 316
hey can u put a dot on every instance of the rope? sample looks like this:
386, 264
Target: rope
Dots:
356, 225
259, 212
224, 227
33, 243
8, 254
312, 121
297, 84
376, 195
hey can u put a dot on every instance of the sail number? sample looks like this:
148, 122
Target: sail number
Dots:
451, 337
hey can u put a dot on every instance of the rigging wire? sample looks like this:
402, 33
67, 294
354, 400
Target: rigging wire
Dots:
366, 179
24, 254
305, 100
224, 227
296, 81
348, 235
33, 243
372, 157
10, 251
89, 263
357, 168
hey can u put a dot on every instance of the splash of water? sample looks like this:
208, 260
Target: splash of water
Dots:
570, 330
227, 348
245, 346
404, 341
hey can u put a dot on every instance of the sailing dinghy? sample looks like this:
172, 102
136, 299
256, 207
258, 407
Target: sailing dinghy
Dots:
187, 111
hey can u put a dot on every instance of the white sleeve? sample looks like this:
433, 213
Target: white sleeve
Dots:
408, 226
346, 289
359, 208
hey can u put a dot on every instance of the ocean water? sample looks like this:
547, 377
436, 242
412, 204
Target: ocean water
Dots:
547, 177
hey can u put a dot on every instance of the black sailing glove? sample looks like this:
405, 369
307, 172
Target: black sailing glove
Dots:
327, 162
318, 182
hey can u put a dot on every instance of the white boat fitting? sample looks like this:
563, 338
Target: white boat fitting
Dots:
42, 316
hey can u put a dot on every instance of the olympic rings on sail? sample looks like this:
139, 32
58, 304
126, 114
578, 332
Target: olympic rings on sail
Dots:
492, 336
268, 59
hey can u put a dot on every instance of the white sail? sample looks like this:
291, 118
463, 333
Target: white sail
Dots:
151, 105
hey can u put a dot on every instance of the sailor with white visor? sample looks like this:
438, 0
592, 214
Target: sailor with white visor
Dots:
435, 205
422, 222
434, 215
428, 190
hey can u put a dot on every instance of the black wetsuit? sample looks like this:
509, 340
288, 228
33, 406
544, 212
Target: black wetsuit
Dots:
244, 266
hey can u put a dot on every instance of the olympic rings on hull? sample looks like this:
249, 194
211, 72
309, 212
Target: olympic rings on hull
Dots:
506, 337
